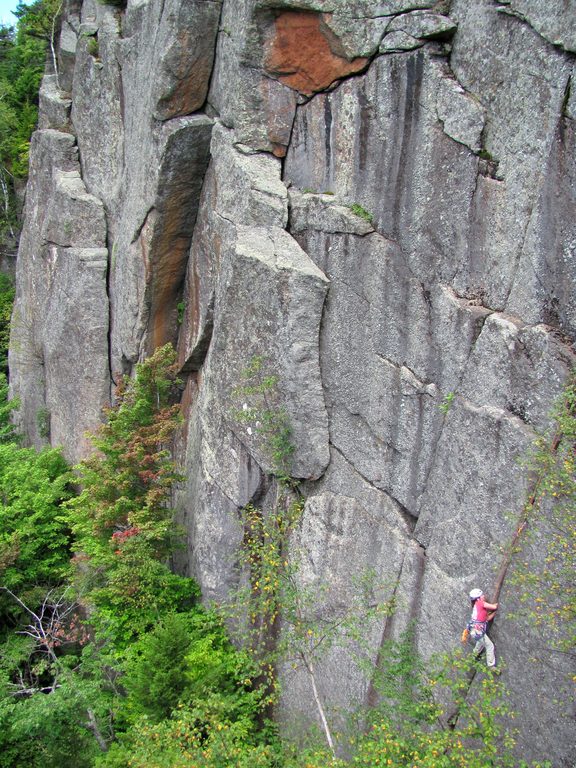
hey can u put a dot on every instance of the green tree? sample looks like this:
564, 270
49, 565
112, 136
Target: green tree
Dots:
408, 726
34, 537
122, 520
280, 617
46, 731
22, 60
6, 301
7, 430
37, 19
187, 660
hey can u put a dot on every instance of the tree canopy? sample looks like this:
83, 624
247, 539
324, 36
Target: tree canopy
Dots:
23, 49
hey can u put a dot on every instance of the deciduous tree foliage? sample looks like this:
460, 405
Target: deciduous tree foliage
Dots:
34, 538
22, 59
122, 520
6, 301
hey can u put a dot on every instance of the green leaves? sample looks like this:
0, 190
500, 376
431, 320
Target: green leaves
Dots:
48, 730
409, 725
358, 210
258, 410
34, 538
7, 293
7, 431
130, 480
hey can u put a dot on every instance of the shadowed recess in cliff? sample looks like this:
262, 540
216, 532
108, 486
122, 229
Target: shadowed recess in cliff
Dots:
184, 163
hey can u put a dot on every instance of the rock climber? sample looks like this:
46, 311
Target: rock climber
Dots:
482, 613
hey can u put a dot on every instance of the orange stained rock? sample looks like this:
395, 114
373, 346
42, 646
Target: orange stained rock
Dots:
300, 53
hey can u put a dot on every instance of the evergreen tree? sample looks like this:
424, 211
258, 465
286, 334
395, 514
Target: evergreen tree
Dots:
23, 49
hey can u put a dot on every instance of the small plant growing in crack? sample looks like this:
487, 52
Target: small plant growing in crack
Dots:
447, 401
484, 154
43, 422
258, 411
358, 210
93, 48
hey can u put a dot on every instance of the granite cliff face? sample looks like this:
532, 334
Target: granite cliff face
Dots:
192, 180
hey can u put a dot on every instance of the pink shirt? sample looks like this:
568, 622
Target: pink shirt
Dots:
479, 612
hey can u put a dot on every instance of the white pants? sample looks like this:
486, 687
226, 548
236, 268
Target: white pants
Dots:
485, 642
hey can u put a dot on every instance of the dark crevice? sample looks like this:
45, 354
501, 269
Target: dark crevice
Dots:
259, 496
263, 485
219, 31
517, 257
410, 518
372, 694
487, 163
290, 135
140, 227
196, 360
399, 366
414, 612
566, 99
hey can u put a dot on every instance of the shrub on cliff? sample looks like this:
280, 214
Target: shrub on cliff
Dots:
6, 301
122, 521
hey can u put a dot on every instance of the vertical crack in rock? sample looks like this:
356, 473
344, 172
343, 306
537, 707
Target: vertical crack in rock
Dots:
409, 582
109, 259
219, 31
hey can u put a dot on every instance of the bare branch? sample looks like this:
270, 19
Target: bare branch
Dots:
52, 44
92, 726
311, 674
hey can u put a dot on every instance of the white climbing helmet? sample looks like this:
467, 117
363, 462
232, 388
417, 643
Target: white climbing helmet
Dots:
475, 594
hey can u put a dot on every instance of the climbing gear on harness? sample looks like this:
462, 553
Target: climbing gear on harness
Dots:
476, 630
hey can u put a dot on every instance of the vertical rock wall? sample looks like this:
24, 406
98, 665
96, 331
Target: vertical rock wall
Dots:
378, 198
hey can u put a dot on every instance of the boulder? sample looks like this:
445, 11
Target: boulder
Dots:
54, 107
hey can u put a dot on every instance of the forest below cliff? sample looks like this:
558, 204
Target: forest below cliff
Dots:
252, 546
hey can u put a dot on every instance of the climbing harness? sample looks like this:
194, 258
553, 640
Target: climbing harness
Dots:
476, 630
